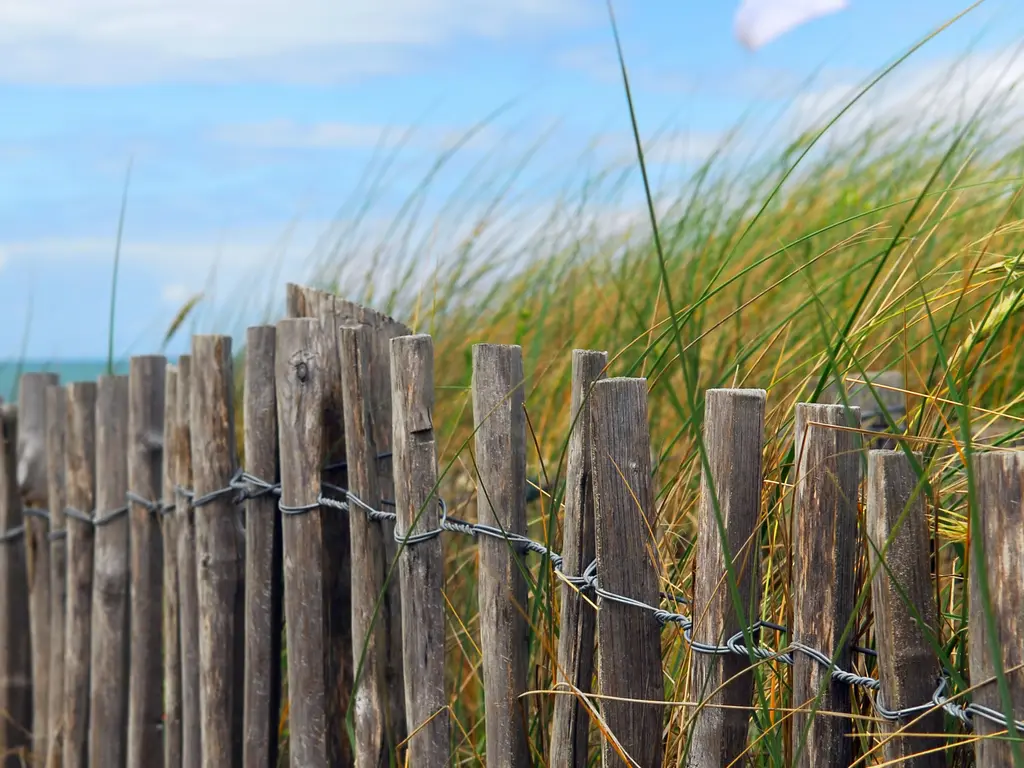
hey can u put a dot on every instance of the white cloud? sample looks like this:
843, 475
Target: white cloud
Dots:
288, 134
913, 98
176, 294
118, 41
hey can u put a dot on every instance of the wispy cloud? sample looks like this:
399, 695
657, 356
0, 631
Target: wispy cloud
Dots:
121, 41
942, 92
289, 134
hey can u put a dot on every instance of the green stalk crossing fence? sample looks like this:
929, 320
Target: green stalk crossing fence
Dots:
147, 575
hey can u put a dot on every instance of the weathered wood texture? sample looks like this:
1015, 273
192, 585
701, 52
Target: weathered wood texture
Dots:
56, 421
263, 580
15, 648
334, 529
375, 744
111, 640
726, 584
570, 727
334, 312
171, 624
500, 456
628, 638
420, 564
999, 544
904, 607
301, 369
80, 476
145, 479
32, 480
824, 547
219, 551
184, 515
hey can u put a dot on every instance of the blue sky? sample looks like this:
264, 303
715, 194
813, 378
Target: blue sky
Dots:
251, 124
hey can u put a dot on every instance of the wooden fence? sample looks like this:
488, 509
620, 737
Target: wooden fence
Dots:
146, 573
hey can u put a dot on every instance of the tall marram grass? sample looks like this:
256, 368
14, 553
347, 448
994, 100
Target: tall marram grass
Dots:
898, 247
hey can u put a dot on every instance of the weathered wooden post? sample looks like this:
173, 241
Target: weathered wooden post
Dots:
571, 723
336, 537
219, 552
999, 546
904, 608
184, 515
32, 481
300, 372
420, 563
171, 623
56, 421
628, 638
500, 454
111, 641
15, 648
146, 379
263, 577
824, 546
80, 476
727, 549
374, 743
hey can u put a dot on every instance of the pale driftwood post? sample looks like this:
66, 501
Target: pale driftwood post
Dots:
184, 515
824, 546
300, 372
15, 649
374, 733
219, 552
628, 638
500, 422
420, 564
32, 479
80, 476
56, 420
108, 697
171, 624
263, 586
570, 727
730, 505
1000, 545
145, 480
906, 633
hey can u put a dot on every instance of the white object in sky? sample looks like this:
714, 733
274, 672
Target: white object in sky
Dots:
758, 22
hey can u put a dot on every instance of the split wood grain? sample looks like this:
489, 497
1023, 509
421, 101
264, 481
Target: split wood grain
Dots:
80, 475
15, 646
56, 423
147, 394
500, 453
999, 545
824, 548
32, 470
111, 638
628, 638
301, 370
726, 584
219, 547
570, 729
171, 622
421, 565
264, 588
184, 514
904, 607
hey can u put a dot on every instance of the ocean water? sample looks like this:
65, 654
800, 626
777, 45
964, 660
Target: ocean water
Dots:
67, 370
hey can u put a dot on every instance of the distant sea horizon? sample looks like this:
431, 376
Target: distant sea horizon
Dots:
85, 369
